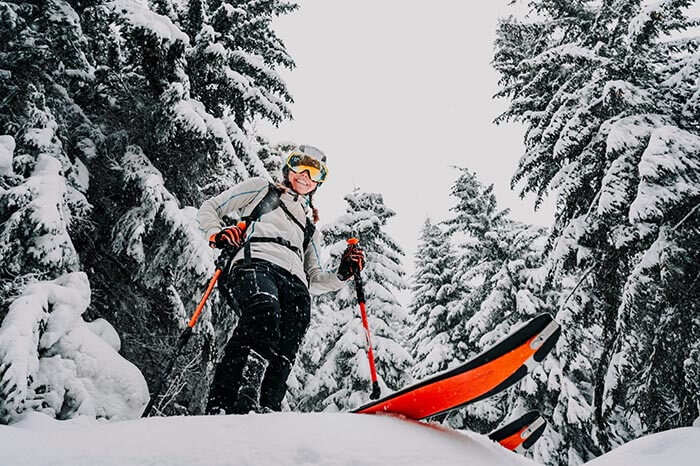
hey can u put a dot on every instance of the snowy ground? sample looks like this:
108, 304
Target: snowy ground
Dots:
677, 447
289, 439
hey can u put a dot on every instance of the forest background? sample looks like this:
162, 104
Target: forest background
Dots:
117, 118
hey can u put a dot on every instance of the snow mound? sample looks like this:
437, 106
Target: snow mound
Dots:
677, 447
260, 440
51, 360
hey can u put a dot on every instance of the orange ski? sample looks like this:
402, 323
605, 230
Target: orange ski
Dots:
487, 374
520, 434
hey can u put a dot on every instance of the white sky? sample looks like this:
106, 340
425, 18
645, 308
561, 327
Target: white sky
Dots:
396, 92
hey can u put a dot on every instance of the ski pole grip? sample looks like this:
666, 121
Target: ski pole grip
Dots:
353, 242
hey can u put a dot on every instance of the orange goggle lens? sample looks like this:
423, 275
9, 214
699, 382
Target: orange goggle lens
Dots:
299, 163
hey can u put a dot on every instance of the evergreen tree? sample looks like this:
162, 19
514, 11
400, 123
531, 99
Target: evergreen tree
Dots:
432, 338
500, 284
118, 118
605, 89
43, 192
335, 347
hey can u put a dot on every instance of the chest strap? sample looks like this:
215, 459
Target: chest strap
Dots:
292, 217
271, 201
278, 240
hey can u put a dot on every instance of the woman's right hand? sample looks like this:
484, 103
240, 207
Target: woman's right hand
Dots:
230, 237
351, 262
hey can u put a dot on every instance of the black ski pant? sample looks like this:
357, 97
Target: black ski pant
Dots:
274, 312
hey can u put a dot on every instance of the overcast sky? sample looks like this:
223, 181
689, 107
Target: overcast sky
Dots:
396, 92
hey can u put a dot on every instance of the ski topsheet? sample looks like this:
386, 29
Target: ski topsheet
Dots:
490, 372
520, 434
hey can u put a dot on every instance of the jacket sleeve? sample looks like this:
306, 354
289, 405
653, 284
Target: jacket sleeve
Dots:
232, 200
320, 281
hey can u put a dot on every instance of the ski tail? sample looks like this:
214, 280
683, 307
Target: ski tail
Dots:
487, 374
522, 433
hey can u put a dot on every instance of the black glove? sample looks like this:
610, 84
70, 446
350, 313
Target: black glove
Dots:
352, 262
227, 238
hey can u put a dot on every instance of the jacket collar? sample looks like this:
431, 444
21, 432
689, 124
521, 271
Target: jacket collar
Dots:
296, 197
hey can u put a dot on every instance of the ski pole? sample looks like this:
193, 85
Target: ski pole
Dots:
221, 263
376, 392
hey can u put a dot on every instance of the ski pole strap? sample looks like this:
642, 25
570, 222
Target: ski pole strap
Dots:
365, 323
359, 288
370, 352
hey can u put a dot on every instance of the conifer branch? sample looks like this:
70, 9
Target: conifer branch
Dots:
583, 277
692, 211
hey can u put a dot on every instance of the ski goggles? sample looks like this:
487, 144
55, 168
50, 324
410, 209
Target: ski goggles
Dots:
299, 162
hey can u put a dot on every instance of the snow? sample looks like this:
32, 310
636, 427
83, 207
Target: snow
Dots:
42, 138
63, 12
627, 92
270, 439
216, 49
668, 172
291, 439
104, 330
7, 148
677, 447
138, 13
644, 17
188, 112
566, 52
49, 355
81, 177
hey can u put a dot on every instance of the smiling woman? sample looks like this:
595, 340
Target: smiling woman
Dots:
274, 264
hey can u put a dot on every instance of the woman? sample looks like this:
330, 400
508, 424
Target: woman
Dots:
269, 280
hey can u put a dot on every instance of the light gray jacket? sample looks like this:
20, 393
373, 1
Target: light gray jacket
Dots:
242, 199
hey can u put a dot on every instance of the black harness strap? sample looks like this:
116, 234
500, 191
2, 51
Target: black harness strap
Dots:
277, 240
270, 202
292, 217
308, 229
308, 232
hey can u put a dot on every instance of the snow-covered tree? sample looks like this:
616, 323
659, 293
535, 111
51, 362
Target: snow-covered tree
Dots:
498, 285
657, 319
123, 113
609, 93
44, 185
335, 350
54, 362
432, 338
479, 228
495, 257
42, 197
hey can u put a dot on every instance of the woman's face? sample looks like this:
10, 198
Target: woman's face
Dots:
301, 182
